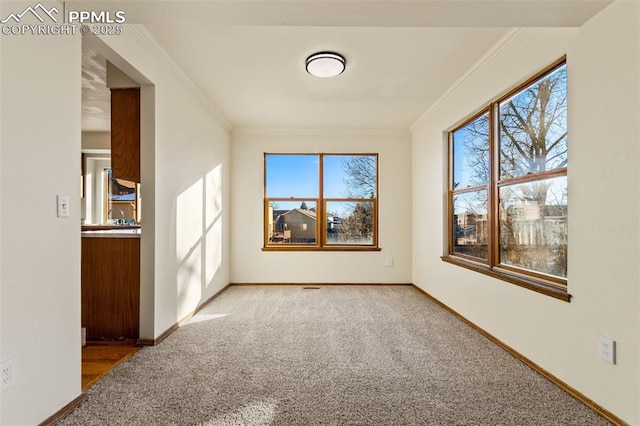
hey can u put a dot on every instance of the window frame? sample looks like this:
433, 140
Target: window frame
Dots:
550, 285
321, 208
108, 204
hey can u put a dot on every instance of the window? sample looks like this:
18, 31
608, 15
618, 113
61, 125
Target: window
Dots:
121, 200
321, 202
508, 186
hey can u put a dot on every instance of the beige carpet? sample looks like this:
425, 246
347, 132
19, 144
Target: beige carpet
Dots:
337, 355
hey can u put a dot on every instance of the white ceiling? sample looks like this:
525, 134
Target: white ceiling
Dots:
247, 57
96, 105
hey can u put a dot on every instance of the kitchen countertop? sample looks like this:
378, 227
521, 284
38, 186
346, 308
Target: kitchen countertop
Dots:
100, 227
112, 233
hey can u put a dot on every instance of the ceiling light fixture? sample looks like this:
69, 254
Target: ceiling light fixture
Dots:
325, 64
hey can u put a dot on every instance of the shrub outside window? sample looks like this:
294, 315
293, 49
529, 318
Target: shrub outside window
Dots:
508, 186
321, 202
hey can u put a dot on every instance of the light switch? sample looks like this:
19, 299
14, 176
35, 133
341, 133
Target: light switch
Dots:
63, 205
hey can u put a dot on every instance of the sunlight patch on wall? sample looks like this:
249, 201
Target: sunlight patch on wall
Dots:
199, 238
213, 223
189, 213
213, 250
189, 282
213, 185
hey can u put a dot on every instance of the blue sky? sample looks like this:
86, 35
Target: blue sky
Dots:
292, 176
297, 176
461, 170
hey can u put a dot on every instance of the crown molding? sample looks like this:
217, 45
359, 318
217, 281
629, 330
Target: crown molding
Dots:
145, 39
320, 131
493, 56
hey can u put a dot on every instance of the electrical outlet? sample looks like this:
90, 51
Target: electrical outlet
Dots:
7, 374
607, 349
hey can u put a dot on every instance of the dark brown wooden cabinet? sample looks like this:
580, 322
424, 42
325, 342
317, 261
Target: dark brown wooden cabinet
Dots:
111, 288
125, 134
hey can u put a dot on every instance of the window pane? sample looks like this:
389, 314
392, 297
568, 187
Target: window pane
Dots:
471, 154
533, 226
292, 222
350, 223
350, 176
533, 127
122, 201
470, 233
292, 176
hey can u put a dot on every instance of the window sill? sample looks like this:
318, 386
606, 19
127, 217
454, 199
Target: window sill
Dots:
538, 286
316, 248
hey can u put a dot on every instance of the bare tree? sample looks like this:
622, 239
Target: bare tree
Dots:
533, 128
361, 181
358, 226
533, 132
361, 171
475, 140
532, 139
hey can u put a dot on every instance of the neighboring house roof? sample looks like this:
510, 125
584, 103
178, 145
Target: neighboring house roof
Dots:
277, 213
307, 213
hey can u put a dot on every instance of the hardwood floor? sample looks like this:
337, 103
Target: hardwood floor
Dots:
100, 358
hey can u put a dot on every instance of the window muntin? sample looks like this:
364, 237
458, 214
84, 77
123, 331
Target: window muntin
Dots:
342, 216
510, 186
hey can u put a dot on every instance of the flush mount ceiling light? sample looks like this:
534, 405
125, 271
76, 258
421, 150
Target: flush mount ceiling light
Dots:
325, 64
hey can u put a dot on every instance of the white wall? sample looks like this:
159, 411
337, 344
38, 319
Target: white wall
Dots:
604, 184
185, 176
96, 140
251, 265
40, 264
185, 185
